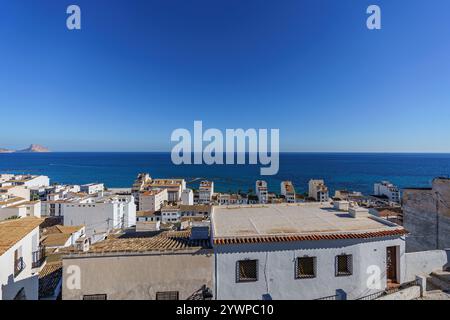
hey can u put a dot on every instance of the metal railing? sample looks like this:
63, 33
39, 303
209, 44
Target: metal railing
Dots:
386, 292
38, 257
334, 297
19, 266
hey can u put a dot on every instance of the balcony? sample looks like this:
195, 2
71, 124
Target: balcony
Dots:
19, 266
38, 257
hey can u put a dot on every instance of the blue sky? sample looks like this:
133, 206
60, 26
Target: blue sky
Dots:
140, 69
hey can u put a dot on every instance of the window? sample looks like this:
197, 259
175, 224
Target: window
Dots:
247, 270
95, 297
167, 295
344, 265
19, 264
305, 268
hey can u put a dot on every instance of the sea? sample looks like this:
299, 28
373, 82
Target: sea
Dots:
350, 171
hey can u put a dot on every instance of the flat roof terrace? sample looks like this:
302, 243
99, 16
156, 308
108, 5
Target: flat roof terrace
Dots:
294, 222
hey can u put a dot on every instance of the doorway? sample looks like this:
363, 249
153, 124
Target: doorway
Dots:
391, 265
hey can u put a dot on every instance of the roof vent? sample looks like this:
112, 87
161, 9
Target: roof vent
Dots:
341, 205
358, 212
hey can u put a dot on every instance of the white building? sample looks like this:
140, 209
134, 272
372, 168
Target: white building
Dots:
346, 195
152, 200
17, 207
288, 191
92, 188
16, 191
205, 192
226, 199
187, 197
56, 237
387, 189
261, 191
19, 261
101, 214
318, 190
303, 251
174, 187
170, 214
29, 181
173, 214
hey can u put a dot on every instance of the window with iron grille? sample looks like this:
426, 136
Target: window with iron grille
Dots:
95, 297
344, 265
167, 295
305, 268
247, 270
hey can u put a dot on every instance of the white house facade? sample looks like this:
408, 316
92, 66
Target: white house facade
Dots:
303, 251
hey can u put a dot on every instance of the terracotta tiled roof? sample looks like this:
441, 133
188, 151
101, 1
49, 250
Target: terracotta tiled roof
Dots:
58, 235
12, 231
165, 241
56, 239
310, 237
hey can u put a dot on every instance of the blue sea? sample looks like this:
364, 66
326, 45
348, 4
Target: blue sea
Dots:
352, 171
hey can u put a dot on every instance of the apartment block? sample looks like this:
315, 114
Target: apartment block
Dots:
318, 190
388, 190
261, 191
288, 191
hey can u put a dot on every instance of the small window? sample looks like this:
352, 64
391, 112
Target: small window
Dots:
306, 268
247, 270
344, 265
167, 295
94, 297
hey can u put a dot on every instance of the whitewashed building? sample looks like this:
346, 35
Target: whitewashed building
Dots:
303, 251
288, 191
20, 258
92, 188
318, 190
205, 192
152, 200
225, 199
187, 197
387, 189
56, 237
101, 214
29, 181
262, 191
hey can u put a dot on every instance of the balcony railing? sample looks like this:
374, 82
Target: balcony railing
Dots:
333, 297
386, 292
38, 257
19, 266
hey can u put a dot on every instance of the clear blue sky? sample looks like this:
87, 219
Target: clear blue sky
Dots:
139, 69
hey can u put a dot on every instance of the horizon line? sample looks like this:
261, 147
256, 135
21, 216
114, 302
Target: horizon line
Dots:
335, 152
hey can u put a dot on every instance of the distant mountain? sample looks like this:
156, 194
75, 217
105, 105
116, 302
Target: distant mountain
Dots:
35, 148
32, 148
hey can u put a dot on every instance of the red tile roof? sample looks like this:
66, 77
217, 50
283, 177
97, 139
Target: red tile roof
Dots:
312, 237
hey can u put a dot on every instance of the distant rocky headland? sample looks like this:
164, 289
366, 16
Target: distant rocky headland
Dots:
34, 148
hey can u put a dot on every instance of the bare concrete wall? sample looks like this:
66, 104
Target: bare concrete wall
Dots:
139, 277
426, 215
422, 263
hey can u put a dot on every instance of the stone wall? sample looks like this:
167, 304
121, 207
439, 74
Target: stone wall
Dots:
426, 214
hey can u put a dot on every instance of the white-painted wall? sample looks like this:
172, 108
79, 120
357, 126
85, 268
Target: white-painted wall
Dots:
277, 268
10, 285
187, 197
